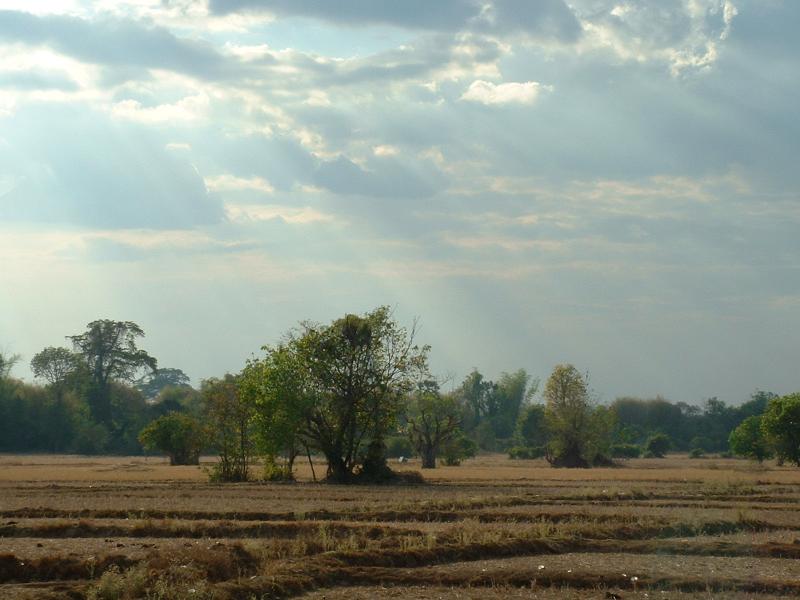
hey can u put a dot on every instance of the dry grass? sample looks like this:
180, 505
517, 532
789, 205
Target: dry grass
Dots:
74, 527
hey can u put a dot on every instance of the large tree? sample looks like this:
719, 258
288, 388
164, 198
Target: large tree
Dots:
355, 373
580, 433
109, 351
432, 419
151, 383
55, 366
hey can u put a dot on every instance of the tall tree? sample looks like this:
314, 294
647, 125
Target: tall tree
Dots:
109, 350
55, 366
579, 431
229, 417
355, 373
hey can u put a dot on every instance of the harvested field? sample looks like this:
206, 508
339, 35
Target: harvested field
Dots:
73, 527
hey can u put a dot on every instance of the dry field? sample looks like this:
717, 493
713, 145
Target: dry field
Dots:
75, 527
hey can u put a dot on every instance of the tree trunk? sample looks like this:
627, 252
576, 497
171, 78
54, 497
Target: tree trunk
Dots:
429, 458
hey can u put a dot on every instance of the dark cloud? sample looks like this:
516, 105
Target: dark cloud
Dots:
549, 18
77, 167
387, 178
116, 43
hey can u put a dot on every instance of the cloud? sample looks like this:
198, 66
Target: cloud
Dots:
244, 213
549, 18
118, 43
386, 178
223, 183
486, 92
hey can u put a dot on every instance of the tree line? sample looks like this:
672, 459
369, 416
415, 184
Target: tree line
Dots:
356, 392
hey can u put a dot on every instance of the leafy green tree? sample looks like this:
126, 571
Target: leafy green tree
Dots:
108, 348
229, 417
177, 435
748, 440
55, 366
657, 445
151, 384
275, 387
356, 371
580, 433
431, 420
781, 426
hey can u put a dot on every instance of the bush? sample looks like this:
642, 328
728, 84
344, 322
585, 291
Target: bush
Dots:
457, 449
696, 453
626, 451
657, 445
701, 443
748, 440
526, 452
177, 435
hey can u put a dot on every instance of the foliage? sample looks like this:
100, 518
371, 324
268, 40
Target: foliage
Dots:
151, 384
177, 435
7, 362
696, 453
748, 440
229, 418
55, 366
491, 410
108, 348
626, 451
781, 427
274, 387
580, 433
399, 445
458, 448
431, 420
531, 429
657, 445
354, 374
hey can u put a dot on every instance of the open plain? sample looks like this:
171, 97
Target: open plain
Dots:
118, 527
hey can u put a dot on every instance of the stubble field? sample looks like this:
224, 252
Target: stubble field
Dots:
73, 527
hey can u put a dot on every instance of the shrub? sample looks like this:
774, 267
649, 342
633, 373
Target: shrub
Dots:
696, 453
657, 445
457, 449
748, 440
781, 426
177, 435
626, 451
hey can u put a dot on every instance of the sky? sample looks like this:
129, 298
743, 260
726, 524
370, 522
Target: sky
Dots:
608, 183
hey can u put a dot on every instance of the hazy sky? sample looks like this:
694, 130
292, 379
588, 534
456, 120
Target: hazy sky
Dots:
611, 183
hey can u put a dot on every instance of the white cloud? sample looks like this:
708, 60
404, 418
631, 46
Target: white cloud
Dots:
190, 108
489, 93
385, 150
242, 213
225, 182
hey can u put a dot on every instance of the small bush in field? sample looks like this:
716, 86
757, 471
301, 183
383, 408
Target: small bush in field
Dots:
626, 451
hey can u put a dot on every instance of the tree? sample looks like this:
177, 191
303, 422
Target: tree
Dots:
109, 350
275, 388
457, 448
229, 419
151, 384
177, 435
580, 434
431, 420
55, 366
355, 372
657, 445
531, 429
781, 426
7, 362
748, 440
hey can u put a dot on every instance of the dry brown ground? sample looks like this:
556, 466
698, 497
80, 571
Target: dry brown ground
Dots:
711, 528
